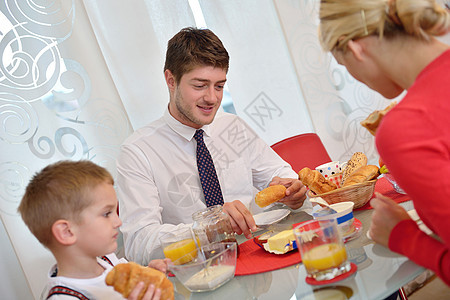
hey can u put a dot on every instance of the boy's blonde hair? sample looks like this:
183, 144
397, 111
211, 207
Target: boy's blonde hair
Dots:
59, 191
345, 20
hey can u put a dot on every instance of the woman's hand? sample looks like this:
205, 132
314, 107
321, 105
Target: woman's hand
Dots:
387, 214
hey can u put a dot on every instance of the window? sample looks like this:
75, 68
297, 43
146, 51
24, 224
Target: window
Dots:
227, 101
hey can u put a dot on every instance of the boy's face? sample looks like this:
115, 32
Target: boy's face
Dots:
98, 229
197, 97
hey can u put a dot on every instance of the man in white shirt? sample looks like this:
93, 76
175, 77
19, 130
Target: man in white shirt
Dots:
158, 180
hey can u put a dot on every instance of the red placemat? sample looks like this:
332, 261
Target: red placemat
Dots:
253, 259
385, 188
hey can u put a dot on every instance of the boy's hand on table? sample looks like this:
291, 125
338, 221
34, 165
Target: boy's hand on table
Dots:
159, 264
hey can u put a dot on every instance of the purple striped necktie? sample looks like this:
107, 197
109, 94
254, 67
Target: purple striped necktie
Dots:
207, 172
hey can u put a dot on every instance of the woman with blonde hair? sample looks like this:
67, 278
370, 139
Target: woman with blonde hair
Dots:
391, 46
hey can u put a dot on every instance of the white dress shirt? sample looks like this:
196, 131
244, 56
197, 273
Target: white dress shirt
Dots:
158, 185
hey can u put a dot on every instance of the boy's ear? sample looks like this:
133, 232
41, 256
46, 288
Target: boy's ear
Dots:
356, 48
62, 232
170, 79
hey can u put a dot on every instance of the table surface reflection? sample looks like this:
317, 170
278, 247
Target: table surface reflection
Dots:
380, 273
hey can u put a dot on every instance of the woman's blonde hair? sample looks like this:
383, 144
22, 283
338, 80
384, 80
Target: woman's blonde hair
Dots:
344, 20
60, 191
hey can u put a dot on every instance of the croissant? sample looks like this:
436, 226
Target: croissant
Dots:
364, 173
270, 195
373, 120
315, 181
124, 277
355, 162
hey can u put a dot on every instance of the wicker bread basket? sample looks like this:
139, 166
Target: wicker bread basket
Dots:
359, 193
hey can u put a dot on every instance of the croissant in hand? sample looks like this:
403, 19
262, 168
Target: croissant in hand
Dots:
124, 277
315, 181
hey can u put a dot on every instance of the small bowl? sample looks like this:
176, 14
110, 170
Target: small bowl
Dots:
343, 216
214, 265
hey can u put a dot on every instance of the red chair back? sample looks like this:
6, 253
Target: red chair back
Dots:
303, 150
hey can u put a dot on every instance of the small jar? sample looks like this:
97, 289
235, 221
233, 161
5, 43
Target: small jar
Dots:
212, 225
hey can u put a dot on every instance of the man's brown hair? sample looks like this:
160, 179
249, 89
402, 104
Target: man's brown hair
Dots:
192, 47
59, 191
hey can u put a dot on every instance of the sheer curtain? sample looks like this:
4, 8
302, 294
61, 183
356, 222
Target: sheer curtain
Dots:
262, 80
78, 76
133, 38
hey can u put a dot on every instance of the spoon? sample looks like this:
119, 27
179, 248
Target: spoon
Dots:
323, 203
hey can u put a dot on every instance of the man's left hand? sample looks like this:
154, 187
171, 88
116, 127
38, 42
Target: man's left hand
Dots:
295, 191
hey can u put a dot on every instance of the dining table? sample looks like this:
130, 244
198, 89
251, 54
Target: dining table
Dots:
380, 272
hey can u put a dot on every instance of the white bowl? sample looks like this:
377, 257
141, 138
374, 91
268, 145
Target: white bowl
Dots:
214, 265
343, 216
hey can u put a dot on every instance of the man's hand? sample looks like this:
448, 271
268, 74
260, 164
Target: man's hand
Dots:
295, 191
387, 214
241, 219
150, 294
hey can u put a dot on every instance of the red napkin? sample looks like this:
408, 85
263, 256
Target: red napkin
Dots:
253, 259
385, 188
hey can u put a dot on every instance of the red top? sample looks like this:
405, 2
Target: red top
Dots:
414, 142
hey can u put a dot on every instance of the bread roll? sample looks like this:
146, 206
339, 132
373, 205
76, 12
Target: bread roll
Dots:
355, 162
270, 195
124, 277
362, 174
372, 121
315, 181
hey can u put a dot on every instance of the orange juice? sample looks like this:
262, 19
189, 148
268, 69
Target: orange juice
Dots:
324, 257
178, 249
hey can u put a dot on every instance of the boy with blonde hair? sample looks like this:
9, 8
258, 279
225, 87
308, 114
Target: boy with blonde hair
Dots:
71, 208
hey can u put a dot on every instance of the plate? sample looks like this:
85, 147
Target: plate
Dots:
270, 217
357, 227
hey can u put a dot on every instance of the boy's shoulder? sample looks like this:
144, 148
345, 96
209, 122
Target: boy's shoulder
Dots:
59, 287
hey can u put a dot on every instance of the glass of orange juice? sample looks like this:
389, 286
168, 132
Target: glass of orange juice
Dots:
177, 244
322, 249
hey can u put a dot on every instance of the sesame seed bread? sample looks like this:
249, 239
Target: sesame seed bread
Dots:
357, 161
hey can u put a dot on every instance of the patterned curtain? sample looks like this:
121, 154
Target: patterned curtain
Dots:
57, 101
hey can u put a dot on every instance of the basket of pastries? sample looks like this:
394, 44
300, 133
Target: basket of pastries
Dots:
357, 184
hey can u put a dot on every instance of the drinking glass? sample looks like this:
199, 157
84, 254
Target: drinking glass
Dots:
176, 244
322, 249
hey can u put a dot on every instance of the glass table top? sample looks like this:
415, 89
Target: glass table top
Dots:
380, 273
